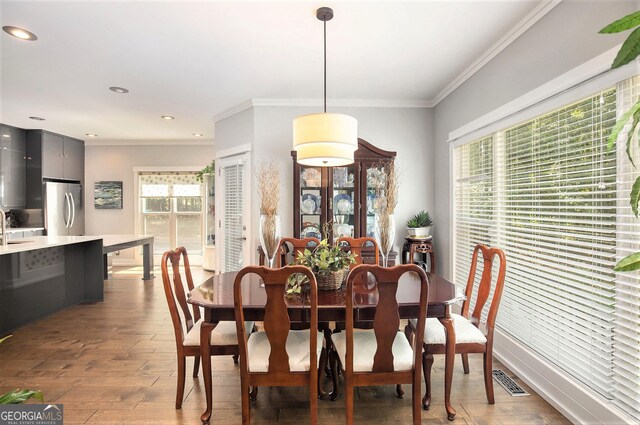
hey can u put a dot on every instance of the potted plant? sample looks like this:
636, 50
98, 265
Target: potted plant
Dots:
19, 396
419, 226
209, 169
328, 262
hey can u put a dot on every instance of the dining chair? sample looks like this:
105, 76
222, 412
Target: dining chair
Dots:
224, 340
288, 250
473, 333
382, 355
357, 245
278, 356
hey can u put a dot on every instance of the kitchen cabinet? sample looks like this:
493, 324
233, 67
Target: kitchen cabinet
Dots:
341, 199
13, 172
51, 156
62, 157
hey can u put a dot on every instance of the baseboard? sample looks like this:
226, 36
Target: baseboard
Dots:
126, 262
576, 402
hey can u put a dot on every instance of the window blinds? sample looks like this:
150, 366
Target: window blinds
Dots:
550, 194
233, 210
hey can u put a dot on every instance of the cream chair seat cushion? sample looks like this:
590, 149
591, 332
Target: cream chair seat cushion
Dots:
259, 349
466, 332
365, 346
223, 334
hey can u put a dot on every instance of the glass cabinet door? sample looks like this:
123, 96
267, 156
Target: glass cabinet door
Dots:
311, 206
375, 178
343, 195
210, 211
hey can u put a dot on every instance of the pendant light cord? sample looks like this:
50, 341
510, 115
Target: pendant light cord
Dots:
325, 67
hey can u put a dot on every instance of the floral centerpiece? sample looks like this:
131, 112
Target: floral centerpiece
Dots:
328, 262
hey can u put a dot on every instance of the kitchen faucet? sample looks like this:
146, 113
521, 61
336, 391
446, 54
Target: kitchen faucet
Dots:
3, 228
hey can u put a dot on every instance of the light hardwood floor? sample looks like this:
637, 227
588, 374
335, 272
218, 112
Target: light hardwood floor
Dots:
114, 363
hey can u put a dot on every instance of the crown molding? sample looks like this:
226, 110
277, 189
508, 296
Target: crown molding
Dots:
146, 142
344, 103
527, 22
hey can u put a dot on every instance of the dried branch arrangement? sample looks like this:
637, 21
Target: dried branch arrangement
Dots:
268, 176
387, 195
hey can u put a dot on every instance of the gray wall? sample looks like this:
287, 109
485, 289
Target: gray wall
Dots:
117, 163
562, 40
408, 131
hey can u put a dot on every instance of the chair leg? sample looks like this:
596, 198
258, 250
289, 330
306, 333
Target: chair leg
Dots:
246, 407
465, 362
348, 398
408, 332
321, 368
253, 393
182, 365
488, 378
427, 362
235, 358
196, 366
399, 391
334, 361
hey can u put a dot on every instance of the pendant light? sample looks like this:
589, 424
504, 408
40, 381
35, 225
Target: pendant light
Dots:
325, 139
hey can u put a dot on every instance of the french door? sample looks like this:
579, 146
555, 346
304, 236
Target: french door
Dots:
233, 185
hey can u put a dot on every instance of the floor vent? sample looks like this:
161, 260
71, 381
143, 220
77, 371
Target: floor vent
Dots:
508, 383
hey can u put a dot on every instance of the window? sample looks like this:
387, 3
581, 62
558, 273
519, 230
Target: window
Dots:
171, 206
550, 194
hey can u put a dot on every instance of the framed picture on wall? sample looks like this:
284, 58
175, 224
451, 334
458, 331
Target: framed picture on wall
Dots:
107, 195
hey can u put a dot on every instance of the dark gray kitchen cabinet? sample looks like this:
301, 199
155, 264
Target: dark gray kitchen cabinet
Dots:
13, 171
51, 156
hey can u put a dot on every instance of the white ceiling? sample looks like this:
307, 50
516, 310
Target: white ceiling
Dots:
195, 60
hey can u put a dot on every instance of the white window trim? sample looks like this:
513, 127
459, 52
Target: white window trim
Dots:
574, 400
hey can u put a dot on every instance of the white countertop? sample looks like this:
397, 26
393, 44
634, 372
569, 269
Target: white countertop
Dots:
23, 229
39, 242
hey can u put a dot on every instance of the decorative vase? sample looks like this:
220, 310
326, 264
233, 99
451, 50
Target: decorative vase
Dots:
385, 233
270, 237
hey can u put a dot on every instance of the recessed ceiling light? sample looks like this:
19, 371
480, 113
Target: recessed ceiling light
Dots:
120, 90
91, 135
37, 118
167, 117
197, 134
6, 135
20, 33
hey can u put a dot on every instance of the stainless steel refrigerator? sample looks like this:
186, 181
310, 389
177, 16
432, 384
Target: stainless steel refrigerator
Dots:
63, 210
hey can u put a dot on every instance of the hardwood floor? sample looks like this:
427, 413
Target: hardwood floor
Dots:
114, 363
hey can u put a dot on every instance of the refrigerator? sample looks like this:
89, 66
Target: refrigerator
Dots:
63, 209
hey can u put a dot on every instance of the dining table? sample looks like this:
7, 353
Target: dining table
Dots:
215, 296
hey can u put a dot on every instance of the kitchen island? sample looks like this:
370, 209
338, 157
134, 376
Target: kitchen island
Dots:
40, 275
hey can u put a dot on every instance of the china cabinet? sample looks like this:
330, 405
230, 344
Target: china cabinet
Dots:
209, 252
341, 196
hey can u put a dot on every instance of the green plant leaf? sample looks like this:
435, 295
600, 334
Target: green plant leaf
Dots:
629, 51
634, 199
20, 396
630, 21
5, 338
632, 131
615, 131
628, 263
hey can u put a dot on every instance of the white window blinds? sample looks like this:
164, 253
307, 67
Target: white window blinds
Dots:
550, 195
233, 210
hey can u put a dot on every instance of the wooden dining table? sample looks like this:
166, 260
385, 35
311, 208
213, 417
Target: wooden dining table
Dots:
215, 296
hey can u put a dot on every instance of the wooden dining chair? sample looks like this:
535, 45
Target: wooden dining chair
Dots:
472, 335
382, 355
224, 340
288, 250
357, 245
278, 356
